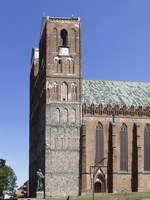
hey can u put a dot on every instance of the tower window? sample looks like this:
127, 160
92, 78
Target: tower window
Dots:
64, 92
64, 38
59, 61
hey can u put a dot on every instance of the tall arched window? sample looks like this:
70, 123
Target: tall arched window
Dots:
73, 115
64, 92
64, 38
147, 148
59, 66
57, 115
134, 177
99, 143
73, 91
65, 115
55, 91
123, 148
70, 66
110, 159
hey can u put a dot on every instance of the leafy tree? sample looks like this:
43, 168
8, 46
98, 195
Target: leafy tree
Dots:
7, 180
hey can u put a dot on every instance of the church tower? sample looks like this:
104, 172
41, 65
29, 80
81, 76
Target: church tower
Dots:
63, 105
59, 73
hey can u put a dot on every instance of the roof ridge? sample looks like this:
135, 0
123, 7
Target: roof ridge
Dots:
117, 80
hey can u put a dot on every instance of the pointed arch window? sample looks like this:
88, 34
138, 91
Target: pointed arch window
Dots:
147, 148
99, 143
65, 115
64, 92
64, 38
59, 66
55, 90
73, 115
134, 175
57, 115
74, 91
123, 148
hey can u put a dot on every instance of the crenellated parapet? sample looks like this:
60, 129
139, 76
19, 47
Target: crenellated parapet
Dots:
95, 109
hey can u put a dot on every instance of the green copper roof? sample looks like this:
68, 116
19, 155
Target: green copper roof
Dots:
116, 92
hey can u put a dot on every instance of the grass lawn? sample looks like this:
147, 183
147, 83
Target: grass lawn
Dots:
110, 196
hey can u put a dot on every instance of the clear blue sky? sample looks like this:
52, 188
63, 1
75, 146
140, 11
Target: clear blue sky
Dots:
115, 45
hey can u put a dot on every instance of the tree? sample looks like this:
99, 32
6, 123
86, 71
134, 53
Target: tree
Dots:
7, 180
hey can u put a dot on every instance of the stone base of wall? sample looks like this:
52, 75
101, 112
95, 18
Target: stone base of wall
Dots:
40, 195
85, 192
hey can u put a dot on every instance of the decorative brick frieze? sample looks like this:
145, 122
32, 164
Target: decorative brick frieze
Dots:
94, 109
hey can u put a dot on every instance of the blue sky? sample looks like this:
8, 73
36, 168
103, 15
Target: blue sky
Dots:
115, 46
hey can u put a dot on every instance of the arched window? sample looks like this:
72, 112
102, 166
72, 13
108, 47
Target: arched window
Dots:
73, 91
65, 115
64, 38
59, 66
147, 148
99, 143
57, 115
70, 64
110, 158
64, 92
73, 115
55, 91
134, 177
123, 148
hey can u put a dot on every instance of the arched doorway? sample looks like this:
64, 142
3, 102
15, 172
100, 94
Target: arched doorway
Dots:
97, 187
100, 182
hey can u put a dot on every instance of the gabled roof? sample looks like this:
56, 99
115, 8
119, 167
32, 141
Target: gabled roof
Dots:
116, 92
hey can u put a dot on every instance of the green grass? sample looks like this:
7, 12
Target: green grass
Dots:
110, 196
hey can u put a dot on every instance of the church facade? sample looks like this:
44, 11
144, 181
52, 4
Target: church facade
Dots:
85, 135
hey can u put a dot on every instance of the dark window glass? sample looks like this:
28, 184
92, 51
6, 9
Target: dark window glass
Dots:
134, 175
147, 148
64, 37
99, 144
123, 148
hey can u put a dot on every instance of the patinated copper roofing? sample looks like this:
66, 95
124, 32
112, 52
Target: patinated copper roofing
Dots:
116, 92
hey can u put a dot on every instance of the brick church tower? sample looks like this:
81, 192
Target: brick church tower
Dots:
114, 123
55, 107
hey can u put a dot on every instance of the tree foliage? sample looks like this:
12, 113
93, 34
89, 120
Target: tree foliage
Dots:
7, 180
